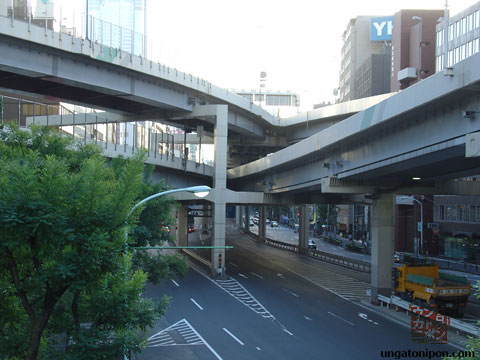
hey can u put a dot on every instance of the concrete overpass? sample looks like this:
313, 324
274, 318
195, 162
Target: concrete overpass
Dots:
367, 157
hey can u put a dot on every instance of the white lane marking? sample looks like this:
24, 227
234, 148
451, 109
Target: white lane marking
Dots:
260, 277
306, 317
233, 264
206, 344
290, 292
375, 323
363, 316
233, 336
243, 276
175, 282
338, 317
288, 332
281, 275
197, 304
258, 348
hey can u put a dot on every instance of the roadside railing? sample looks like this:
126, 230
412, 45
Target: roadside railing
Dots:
331, 258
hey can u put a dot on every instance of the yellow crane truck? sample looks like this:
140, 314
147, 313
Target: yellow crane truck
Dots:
424, 285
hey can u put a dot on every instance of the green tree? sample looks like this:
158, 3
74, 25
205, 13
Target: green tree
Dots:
473, 342
68, 289
153, 229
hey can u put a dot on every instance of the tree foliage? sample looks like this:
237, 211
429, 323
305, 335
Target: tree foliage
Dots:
67, 287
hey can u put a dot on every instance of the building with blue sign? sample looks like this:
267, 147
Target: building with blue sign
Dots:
365, 58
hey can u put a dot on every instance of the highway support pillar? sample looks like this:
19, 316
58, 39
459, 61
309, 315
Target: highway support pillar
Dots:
382, 246
182, 225
303, 229
247, 218
205, 217
262, 229
239, 216
220, 185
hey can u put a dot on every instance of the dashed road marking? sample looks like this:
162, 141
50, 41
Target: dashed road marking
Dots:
233, 336
288, 332
175, 282
201, 308
292, 293
241, 275
338, 317
260, 277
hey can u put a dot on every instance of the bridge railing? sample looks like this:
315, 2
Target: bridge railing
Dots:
156, 139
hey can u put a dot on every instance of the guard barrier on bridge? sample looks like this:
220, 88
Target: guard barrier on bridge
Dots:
331, 258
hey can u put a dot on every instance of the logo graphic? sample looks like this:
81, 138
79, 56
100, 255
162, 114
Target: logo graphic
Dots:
381, 28
428, 326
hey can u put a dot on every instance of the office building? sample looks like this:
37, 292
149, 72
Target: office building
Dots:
365, 58
413, 47
463, 34
278, 103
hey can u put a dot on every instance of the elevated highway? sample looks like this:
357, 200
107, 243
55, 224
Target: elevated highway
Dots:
375, 152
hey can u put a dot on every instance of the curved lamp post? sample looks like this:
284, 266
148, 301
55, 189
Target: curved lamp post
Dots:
199, 191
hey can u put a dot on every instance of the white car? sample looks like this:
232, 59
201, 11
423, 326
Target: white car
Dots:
274, 224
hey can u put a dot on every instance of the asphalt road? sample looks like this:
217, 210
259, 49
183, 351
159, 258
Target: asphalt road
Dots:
266, 311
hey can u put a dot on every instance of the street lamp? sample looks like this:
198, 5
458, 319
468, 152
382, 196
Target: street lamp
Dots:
421, 222
420, 24
199, 191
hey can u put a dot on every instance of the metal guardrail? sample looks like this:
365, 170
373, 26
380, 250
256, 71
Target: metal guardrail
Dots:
331, 258
341, 260
453, 323
197, 257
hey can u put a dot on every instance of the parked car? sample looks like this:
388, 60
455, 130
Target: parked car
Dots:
267, 221
251, 223
312, 245
274, 224
191, 229
396, 257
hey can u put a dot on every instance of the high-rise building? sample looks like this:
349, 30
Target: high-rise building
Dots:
277, 103
463, 34
365, 58
413, 47
127, 18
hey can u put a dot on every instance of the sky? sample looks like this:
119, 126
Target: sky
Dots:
297, 43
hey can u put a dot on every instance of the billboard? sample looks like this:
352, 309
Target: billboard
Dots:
381, 28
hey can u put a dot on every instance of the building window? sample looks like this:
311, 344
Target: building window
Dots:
470, 22
464, 26
477, 19
279, 100
247, 96
450, 32
476, 44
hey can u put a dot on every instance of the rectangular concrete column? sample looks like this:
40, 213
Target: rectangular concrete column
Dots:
205, 218
247, 218
238, 216
303, 229
220, 186
182, 226
382, 224
262, 229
